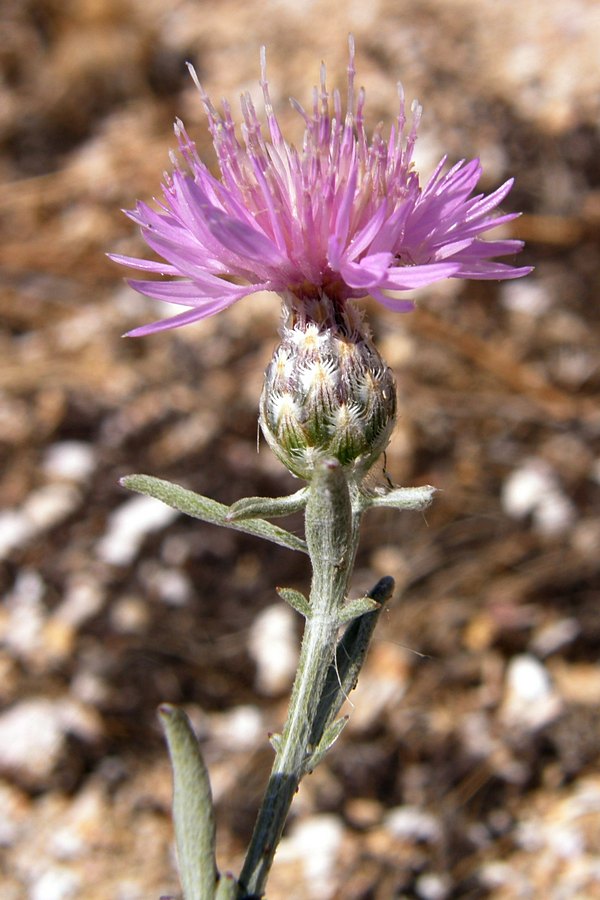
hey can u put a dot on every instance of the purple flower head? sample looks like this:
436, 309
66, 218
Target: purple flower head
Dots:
344, 216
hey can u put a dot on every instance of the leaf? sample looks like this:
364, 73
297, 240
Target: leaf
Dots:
275, 741
297, 601
267, 507
227, 888
350, 654
193, 813
329, 738
355, 608
208, 510
411, 498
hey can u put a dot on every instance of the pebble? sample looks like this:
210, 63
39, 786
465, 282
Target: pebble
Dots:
171, 585
431, 886
530, 701
239, 728
554, 636
33, 736
57, 883
50, 505
15, 530
533, 490
128, 526
559, 842
43, 509
83, 599
273, 645
69, 460
528, 297
315, 843
129, 615
32, 739
24, 616
413, 824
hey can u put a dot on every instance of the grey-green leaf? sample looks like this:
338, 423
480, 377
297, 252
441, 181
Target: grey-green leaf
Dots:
296, 600
275, 741
354, 608
329, 738
411, 498
193, 813
208, 510
349, 657
268, 507
227, 888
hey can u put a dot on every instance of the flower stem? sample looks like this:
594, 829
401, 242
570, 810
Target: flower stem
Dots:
332, 538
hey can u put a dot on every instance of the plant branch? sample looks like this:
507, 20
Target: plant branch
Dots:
332, 538
210, 511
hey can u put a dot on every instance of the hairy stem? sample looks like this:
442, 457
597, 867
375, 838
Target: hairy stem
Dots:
332, 538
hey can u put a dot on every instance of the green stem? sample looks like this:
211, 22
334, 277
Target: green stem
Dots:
332, 538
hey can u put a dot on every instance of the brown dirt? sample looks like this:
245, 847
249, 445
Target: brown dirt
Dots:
470, 765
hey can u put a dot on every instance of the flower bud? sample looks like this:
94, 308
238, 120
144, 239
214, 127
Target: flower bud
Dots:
327, 391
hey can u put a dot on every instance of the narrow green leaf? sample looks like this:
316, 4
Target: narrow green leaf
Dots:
411, 498
193, 813
208, 510
227, 888
275, 741
329, 738
355, 608
267, 507
296, 600
349, 656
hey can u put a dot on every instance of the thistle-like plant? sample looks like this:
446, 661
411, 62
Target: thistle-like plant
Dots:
340, 219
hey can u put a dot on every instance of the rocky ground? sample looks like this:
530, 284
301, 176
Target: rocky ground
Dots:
469, 768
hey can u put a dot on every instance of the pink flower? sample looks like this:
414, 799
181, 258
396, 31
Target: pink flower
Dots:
345, 216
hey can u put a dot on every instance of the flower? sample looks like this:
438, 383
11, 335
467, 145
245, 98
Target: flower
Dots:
327, 394
344, 217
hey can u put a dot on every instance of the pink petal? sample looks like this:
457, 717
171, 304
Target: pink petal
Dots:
406, 278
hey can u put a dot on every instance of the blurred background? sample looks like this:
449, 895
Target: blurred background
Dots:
469, 767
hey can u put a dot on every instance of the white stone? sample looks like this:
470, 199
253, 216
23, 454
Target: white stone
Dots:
129, 615
15, 530
238, 729
528, 679
31, 739
79, 719
273, 646
26, 615
50, 505
530, 701
432, 887
555, 636
33, 732
533, 490
73, 460
84, 598
411, 823
128, 526
45, 507
171, 584
57, 883
315, 842
527, 297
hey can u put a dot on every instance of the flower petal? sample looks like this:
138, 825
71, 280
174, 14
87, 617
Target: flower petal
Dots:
343, 210
407, 278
